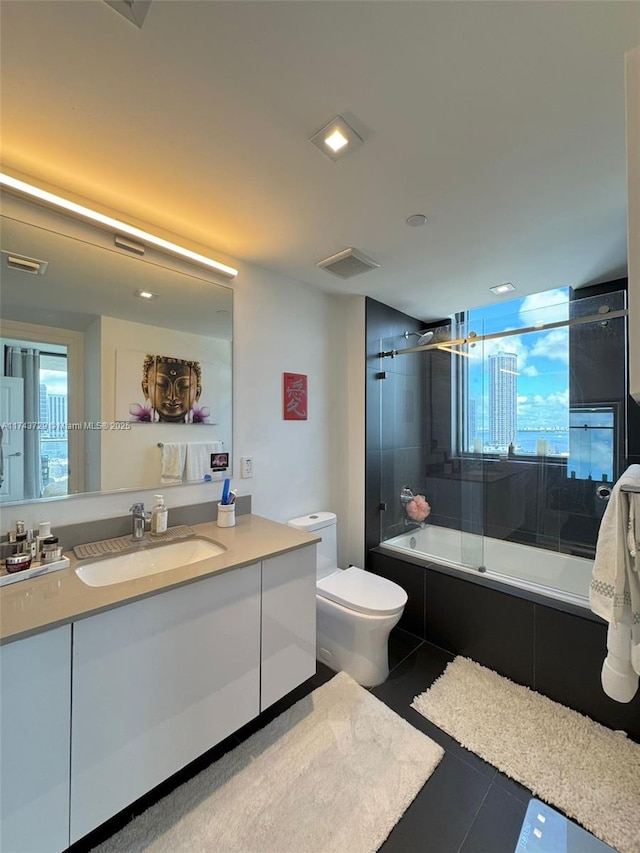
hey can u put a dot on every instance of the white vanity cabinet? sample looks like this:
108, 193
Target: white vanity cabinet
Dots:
158, 682
288, 622
35, 694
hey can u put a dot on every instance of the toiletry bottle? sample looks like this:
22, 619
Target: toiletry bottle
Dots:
159, 516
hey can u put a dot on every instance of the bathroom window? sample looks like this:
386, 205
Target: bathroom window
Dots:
592, 443
514, 389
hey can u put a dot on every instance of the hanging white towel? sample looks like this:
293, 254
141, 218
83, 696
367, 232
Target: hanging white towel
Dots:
633, 530
199, 458
614, 593
613, 565
173, 461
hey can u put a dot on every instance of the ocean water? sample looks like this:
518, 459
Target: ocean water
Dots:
558, 442
527, 441
592, 455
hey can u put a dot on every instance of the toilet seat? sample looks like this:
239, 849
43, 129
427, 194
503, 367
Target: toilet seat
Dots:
363, 592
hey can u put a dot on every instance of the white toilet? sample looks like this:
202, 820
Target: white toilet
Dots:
355, 610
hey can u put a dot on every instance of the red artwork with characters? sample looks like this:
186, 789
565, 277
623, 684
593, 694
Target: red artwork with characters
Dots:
295, 397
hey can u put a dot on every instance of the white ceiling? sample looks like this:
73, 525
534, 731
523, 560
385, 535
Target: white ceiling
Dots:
503, 122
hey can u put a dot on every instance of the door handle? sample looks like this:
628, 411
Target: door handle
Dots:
19, 453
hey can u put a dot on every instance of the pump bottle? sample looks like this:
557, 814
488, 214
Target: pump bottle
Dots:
159, 515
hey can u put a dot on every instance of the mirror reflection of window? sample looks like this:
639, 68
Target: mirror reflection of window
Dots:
38, 379
54, 442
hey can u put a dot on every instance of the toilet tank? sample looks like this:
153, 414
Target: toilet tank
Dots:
323, 524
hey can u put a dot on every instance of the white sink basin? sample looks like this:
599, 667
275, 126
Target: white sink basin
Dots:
147, 561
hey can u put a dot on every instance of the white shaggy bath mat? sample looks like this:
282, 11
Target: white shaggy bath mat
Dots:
588, 771
333, 773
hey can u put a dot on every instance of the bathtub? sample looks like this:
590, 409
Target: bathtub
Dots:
558, 576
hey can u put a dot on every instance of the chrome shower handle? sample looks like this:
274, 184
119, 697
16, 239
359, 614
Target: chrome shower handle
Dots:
406, 495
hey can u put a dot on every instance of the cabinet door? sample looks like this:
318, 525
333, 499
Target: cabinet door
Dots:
35, 710
288, 622
155, 684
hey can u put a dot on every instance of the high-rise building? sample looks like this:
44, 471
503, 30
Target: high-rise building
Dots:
503, 398
57, 410
472, 423
43, 415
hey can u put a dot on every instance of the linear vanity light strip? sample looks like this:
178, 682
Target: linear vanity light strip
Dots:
115, 224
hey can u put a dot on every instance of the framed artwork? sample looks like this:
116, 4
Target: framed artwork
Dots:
167, 389
294, 406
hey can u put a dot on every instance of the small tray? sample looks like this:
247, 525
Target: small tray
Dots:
120, 544
33, 571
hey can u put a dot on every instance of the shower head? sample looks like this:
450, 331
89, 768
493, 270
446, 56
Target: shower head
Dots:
423, 337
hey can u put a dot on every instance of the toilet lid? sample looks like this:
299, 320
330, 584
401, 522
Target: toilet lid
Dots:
363, 591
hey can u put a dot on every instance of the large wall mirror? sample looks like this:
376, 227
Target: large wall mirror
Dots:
104, 389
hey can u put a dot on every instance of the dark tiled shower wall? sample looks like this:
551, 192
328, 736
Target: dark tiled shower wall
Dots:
558, 652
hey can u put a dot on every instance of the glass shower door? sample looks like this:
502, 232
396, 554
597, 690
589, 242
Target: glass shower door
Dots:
420, 455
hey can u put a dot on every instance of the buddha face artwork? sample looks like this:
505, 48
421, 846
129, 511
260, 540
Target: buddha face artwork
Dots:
172, 388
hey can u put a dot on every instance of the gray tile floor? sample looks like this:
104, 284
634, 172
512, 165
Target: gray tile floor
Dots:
466, 806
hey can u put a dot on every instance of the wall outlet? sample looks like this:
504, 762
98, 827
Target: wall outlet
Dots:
246, 466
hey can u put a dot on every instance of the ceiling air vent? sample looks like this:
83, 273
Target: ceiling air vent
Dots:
133, 10
24, 264
348, 263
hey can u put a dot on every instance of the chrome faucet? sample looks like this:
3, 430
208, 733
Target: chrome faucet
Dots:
406, 496
139, 518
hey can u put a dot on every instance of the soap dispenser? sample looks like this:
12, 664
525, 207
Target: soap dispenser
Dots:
159, 515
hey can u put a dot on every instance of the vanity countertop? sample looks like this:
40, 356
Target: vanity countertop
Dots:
34, 605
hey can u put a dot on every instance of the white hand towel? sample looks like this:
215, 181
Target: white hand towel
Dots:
633, 533
173, 459
614, 593
199, 458
612, 567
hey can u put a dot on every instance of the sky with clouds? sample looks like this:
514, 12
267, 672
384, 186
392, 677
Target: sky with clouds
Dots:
542, 356
55, 380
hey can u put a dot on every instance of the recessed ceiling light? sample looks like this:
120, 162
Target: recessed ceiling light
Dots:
336, 138
416, 219
336, 141
502, 288
146, 294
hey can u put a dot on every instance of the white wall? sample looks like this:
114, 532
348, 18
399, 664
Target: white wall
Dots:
280, 325
632, 82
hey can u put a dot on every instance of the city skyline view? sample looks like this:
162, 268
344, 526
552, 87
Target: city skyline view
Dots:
522, 378
54, 448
